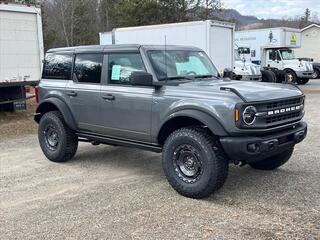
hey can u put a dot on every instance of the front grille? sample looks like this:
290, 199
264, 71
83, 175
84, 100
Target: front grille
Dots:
281, 112
277, 113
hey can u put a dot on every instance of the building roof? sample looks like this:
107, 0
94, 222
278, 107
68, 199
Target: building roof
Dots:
310, 26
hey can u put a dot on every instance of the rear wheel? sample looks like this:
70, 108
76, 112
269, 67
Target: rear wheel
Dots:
57, 141
273, 162
194, 163
268, 76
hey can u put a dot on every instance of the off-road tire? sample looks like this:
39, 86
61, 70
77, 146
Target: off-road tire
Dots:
67, 144
273, 162
302, 81
213, 162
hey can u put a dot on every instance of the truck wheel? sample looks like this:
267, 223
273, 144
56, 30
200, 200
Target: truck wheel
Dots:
302, 81
273, 162
57, 141
316, 74
193, 162
268, 76
291, 76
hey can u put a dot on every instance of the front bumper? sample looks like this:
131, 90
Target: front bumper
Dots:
250, 149
252, 77
249, 77
304, 74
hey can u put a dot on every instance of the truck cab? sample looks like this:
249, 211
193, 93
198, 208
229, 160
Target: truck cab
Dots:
244, 69
283, 58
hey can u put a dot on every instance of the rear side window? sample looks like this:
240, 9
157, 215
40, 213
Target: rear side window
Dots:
57, 66
87, 68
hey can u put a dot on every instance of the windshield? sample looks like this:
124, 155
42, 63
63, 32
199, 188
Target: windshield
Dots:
244, 50
287, 54
181, 64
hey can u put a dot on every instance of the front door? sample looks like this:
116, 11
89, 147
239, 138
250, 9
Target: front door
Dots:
84, 91
126, 109
274, 59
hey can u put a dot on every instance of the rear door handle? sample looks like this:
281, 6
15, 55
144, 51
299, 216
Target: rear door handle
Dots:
72, 94
109, 97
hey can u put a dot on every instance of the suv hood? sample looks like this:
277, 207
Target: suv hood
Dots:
251, 91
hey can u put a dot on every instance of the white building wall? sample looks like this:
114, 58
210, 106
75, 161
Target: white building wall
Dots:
310, 44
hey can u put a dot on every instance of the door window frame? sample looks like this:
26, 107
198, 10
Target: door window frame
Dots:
75, 80
106, 68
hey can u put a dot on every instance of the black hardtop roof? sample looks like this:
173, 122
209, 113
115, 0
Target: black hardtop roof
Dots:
120, 47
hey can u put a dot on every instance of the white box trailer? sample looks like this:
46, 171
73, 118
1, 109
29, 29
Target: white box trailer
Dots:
268, 38
214, 37
274, 48
21, 52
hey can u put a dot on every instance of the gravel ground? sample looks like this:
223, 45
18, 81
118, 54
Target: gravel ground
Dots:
121, 193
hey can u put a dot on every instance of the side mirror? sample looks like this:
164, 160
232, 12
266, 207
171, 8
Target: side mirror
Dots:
227, 73
141, 78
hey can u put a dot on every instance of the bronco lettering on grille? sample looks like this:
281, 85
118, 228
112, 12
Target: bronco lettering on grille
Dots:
283, 110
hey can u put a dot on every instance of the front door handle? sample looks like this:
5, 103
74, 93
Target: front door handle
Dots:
109, 97
72, 94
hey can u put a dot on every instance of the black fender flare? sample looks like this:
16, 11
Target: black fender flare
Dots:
210, 121
46, 106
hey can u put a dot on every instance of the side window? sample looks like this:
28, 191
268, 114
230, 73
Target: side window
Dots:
272, 55
57, 66
87, 68
121, 65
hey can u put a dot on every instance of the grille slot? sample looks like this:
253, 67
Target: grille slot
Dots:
282, 117
285, 103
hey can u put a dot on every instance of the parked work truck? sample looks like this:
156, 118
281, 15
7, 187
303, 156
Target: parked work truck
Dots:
216, 38
21, 53
274, 48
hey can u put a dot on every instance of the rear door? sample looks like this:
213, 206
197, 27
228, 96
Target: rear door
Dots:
125, 109
84, 90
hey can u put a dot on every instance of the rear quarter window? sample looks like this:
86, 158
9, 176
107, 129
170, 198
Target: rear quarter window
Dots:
57, 66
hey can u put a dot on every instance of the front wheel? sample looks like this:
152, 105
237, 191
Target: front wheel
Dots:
273, 162
291, 76
315, 74
193, 162
57, 141
302, 81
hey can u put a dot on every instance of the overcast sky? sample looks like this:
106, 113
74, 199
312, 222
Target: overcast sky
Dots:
273, 8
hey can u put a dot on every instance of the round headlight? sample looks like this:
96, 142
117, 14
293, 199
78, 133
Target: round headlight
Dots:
249, 115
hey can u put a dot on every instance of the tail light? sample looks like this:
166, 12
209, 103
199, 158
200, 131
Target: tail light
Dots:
26, 89
36, 93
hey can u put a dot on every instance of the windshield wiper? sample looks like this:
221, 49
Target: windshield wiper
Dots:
205, 76
177, 78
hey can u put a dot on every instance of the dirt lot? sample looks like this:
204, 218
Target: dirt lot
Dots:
121, 193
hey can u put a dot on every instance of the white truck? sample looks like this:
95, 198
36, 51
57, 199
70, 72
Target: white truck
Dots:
274, 48
244, 69
21, 53
214, 37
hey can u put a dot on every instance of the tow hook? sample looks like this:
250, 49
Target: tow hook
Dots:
298, 136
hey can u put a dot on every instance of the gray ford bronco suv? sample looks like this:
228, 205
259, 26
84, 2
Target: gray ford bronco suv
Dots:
167, 99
